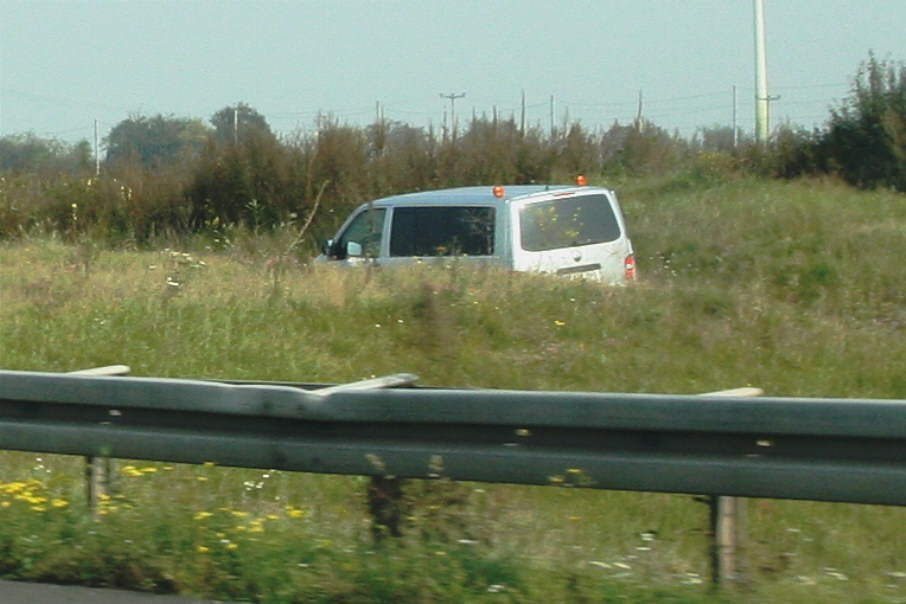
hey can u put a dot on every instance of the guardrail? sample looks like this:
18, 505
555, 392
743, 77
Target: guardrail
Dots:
817, 449
721, 445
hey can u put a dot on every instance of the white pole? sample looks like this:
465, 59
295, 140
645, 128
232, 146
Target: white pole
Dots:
638, 116
735, 120
522, 115
97, 152
552, 116
762, 127
236, 125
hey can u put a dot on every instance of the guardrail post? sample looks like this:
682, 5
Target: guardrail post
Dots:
728, 531
98, 481
99, 471
385, 493
385, 503
727, 515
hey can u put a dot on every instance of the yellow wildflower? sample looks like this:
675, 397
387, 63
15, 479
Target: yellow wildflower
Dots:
294, 512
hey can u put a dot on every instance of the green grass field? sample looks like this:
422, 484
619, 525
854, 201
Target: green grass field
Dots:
798, 288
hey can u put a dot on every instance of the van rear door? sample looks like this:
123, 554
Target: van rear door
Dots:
572, 233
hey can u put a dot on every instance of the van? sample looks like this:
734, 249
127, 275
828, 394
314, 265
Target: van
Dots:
575, 231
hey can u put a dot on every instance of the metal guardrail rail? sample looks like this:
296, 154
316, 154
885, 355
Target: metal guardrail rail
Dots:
815, 449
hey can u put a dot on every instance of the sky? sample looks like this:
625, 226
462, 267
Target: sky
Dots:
68, 65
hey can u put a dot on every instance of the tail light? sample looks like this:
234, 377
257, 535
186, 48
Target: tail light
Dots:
629, 267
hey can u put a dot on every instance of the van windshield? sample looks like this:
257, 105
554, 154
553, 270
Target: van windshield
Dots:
567, 222
442, 231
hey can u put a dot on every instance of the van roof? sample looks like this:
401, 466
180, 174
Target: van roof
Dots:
483, 195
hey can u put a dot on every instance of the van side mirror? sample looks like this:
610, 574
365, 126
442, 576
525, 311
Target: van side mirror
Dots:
335, 250
353, 248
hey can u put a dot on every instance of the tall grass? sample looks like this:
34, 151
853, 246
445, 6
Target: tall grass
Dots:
793, 287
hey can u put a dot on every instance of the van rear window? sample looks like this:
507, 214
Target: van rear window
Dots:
442, 231
567, 222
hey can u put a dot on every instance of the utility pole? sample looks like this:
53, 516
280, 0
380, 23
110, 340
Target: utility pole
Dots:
639, 126
97, 151
762, 100
522, 115
236, 126
452, 98
735, 124
553, 126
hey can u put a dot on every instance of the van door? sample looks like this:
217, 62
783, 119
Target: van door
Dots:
572, 234
362, 238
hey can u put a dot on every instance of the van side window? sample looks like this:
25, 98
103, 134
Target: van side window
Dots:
567, 222
366, 229
442, 231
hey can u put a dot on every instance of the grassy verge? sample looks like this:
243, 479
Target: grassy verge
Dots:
793, 287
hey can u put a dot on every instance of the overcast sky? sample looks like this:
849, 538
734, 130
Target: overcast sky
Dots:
65, 64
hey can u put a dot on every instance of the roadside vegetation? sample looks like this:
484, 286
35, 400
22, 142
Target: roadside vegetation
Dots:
162, 179
788, 286
198, 267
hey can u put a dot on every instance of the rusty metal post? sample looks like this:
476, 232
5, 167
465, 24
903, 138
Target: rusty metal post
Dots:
385, 504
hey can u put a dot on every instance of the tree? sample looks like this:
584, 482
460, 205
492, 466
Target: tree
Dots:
578, 153
27, 153
155, 141
640, 148
245, 175
718, 138
866, 139
400, 157
238, 124
795, 152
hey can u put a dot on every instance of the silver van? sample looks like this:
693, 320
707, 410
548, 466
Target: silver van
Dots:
576, 231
